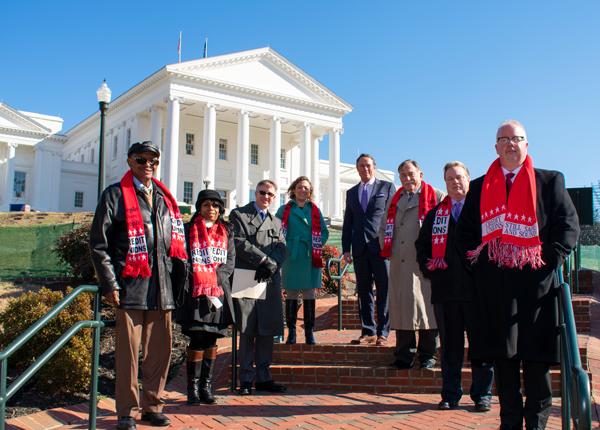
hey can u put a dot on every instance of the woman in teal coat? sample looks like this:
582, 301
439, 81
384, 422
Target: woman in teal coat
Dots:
305, 231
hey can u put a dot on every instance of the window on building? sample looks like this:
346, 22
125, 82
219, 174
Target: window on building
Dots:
253, 153
282, 163
222, 149
188, 192
281, 199
116, 147
82, 158
252, 196
19, 188
78, 199
128, 140
162, 139
189, 143
223, 194
92, 156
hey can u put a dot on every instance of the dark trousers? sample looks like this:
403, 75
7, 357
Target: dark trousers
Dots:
406, 341
536, 377
370, 267
259, 350
452, 320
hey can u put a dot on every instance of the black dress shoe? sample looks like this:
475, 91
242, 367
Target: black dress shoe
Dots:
399, 365
427, 365
126, 423
483, 405
245, 389
269, 386
509, 427
446, 405
156, 419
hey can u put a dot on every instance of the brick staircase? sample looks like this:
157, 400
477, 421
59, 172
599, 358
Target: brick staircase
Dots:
335, 364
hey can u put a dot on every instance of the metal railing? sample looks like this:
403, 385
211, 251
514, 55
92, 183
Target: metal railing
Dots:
341, 271
575, 383
96, 324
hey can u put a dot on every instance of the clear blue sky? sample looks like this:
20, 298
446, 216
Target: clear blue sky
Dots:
429, 80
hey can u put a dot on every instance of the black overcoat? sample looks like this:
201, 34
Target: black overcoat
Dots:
255, 239
515, 312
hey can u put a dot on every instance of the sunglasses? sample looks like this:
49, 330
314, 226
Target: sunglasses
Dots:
266, 193
143, 161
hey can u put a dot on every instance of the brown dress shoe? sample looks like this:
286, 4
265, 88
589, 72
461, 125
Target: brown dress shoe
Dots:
364, 339
382, 340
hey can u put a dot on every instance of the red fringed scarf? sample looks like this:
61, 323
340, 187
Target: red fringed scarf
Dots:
209, 251
136, 263
427, 202
317, 243
510, 229
439, 235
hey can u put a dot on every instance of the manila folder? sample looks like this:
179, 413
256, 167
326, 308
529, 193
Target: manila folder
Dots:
244, 285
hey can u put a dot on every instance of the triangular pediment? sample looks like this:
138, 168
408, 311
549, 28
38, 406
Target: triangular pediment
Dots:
13, 119
263, 70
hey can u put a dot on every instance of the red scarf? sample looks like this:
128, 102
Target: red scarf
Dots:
509, 229
136, 263
439, 235
209, 251
426, 203
317, 243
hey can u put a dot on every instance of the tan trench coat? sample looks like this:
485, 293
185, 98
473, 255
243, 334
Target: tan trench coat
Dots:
409, 292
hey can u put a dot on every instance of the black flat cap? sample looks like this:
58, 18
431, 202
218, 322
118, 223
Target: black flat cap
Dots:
146, 146
208, 195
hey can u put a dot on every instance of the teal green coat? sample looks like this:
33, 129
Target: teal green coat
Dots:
298, 256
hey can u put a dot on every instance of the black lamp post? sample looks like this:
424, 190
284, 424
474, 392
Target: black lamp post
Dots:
104, 94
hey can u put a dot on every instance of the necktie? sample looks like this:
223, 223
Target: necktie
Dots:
509, 183
262, 215
456, 210
410, 196
364, 199
148, 196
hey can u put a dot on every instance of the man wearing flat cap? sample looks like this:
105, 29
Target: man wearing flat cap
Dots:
136, 240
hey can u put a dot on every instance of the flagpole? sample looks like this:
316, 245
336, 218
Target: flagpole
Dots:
206, 48
179, 50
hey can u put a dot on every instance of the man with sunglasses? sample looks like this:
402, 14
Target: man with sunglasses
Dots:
259, 246
134, 232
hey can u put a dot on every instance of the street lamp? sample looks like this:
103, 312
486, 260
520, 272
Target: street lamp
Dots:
103, 99
206, 182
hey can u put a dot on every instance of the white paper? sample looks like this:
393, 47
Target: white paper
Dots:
215, 301
244, 285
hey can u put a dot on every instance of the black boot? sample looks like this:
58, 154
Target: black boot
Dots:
309, 321
291, 317
208, 365
193, 375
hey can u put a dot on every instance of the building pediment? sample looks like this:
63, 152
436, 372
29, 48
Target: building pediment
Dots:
260, 72
17, 122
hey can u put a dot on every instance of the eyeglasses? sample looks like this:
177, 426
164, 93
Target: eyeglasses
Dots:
266, 193
514, 139
143, 161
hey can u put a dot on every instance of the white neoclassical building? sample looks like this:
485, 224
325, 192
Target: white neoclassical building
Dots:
227, 121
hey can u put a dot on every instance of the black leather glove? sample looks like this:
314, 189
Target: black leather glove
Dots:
265, 270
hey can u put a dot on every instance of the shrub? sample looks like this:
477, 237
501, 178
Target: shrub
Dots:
69, 369
73, 251
329, 285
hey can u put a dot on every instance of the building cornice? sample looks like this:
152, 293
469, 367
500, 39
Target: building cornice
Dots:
21, 131
13, 113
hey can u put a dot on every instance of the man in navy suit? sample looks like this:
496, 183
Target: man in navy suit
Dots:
365, 206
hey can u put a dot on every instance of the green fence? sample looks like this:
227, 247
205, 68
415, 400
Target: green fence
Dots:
27, 251
590, 257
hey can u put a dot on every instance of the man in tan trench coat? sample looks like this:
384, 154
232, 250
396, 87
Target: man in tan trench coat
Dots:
409, 292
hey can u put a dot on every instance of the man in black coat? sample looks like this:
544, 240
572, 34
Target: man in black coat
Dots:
516, 309
260, 246
451, 293
365, 206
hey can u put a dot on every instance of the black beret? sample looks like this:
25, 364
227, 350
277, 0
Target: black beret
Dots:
146, 146
208, 195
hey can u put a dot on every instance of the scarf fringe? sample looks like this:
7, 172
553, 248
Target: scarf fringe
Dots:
386, 252
178, 252
509, 255
207, 290
317, 262
436, 263
137, 270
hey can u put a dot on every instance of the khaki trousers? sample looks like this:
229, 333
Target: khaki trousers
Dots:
153, 329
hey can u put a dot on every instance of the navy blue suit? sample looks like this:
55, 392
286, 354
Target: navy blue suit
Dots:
359, 233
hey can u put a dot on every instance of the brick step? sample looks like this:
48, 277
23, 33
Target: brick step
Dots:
375, 379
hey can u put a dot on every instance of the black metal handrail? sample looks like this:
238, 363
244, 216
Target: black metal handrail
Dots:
575, 382
96, 324
338, 278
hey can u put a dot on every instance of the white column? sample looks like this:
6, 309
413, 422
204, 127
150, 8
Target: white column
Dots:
134, 128
275, 157
171, 157
209, 158
37, 175
294, 160
9, 173
335, 198
305, 158
243, 159
156, 118
55, 177
314, 168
